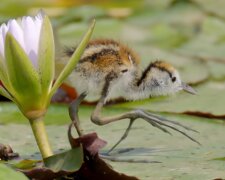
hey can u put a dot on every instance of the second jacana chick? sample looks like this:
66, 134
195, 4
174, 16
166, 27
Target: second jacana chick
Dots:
109, 69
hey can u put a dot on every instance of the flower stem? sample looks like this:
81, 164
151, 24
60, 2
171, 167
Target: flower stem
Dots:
41, 137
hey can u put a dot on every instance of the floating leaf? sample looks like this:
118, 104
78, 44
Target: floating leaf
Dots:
220, 159
192, 71
81, 13
183, 102
217, 70
211, 7
25, 164
204, 48
7, 173
175, 152
69, 161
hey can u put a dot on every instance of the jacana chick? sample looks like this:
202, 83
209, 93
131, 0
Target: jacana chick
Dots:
108, 69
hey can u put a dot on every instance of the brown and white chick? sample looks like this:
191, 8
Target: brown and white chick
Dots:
109, 69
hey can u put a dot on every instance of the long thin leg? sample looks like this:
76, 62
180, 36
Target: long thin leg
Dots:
73, 112
173, 122
124, 135
154, 120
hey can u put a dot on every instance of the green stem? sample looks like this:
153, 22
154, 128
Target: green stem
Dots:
41, 137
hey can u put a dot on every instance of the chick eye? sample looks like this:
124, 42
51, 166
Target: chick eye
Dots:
125, 70
174, 79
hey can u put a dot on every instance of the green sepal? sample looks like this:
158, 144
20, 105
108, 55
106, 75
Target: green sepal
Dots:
46, 56
3, 74
3, 92
74, 59
22, 76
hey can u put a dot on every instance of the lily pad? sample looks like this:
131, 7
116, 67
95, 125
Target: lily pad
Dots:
209, 44
66, 161
7, 173
172, 27
211, 7
217, 70
105, 28
208, 93
24, 164
179, 157
166, 36
192, 70
81, 13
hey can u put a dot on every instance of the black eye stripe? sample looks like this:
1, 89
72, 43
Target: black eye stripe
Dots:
174, 79
125, 70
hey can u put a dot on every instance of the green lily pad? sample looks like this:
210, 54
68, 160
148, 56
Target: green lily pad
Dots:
220, 159
211, 7
166, 36
7, 173
191, 70
67, 161
104, 28
71, 33
24, 164
216, 70
179, 157
108, 28
81, 13
172, 27
209, 44
184, 15
213, 26
208, 93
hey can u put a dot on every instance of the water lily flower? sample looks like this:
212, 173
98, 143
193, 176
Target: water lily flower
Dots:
27, 68
27, 63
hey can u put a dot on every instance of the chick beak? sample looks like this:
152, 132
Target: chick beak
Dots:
188, 88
